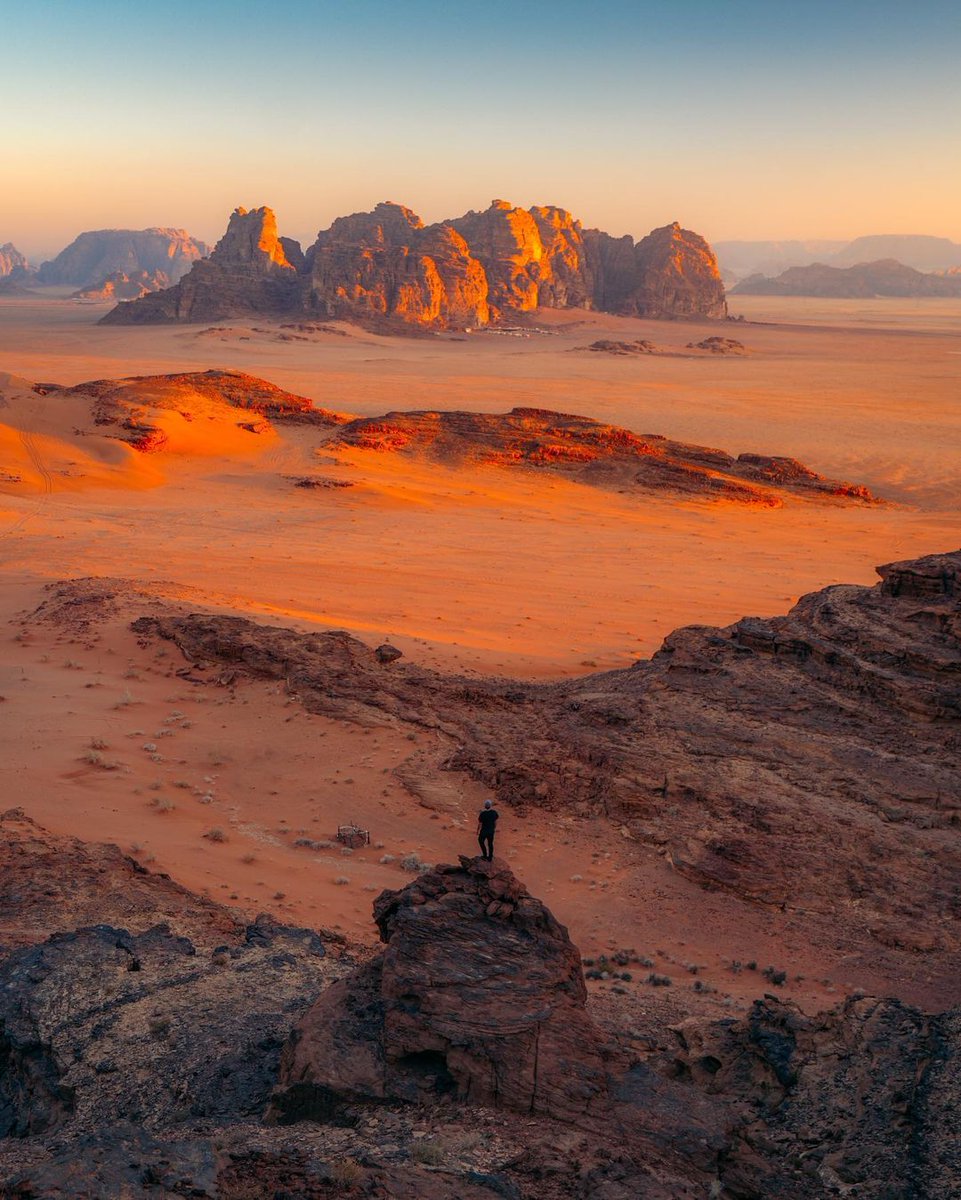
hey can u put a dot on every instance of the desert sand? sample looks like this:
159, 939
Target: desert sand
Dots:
482, 571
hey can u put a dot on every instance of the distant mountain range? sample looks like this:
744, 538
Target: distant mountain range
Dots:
886, 277
157, 257
387, 267
738, 260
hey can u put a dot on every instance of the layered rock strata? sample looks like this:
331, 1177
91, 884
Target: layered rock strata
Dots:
479, 994
591, 452
387, 267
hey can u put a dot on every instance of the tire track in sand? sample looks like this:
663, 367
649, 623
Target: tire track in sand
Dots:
29, 443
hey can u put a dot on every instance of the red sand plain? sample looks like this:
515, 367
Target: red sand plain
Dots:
486, 570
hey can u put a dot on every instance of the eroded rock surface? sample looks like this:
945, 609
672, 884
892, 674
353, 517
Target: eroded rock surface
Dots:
808, 760
479, 994
124, 285
386, 267
248, 272
854, 1102
459, 1064
591, 452
137, 407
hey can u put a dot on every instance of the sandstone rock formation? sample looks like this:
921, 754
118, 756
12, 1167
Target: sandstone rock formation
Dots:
93, 256
886, 277
386, 266
139, 410
719, 345
532, 258
13, 265
591, 452
136, 1060
479, 995
670, 273
806, 762
122, 285
138, 407
248, 272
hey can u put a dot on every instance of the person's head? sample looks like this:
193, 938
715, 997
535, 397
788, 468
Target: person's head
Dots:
488, 803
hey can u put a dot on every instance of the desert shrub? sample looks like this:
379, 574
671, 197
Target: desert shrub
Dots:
215, 835
778, 978
345, 1173
656, 980
430, 1153
341, 881
410, 862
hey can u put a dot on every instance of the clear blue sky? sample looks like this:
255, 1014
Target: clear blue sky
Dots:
740, 119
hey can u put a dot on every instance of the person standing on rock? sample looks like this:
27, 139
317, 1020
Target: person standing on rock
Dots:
486, 820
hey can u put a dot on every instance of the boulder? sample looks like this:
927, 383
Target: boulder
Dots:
479, 995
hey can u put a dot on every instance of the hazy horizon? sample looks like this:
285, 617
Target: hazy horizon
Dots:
742, 121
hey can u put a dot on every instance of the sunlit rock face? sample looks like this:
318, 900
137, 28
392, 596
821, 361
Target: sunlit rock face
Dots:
387, 266
251, 240
508, 244
13, 264
250, 272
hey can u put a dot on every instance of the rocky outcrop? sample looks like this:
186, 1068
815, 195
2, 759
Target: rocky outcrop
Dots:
886, 277
788, 761
234, 388
386, 266
478, 995
13, 265
93, 256
121, 285
719, 345
51, 884
670, 273
460, 1063
532, 258
592, 452
858, 1101
248, 273
138, 407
